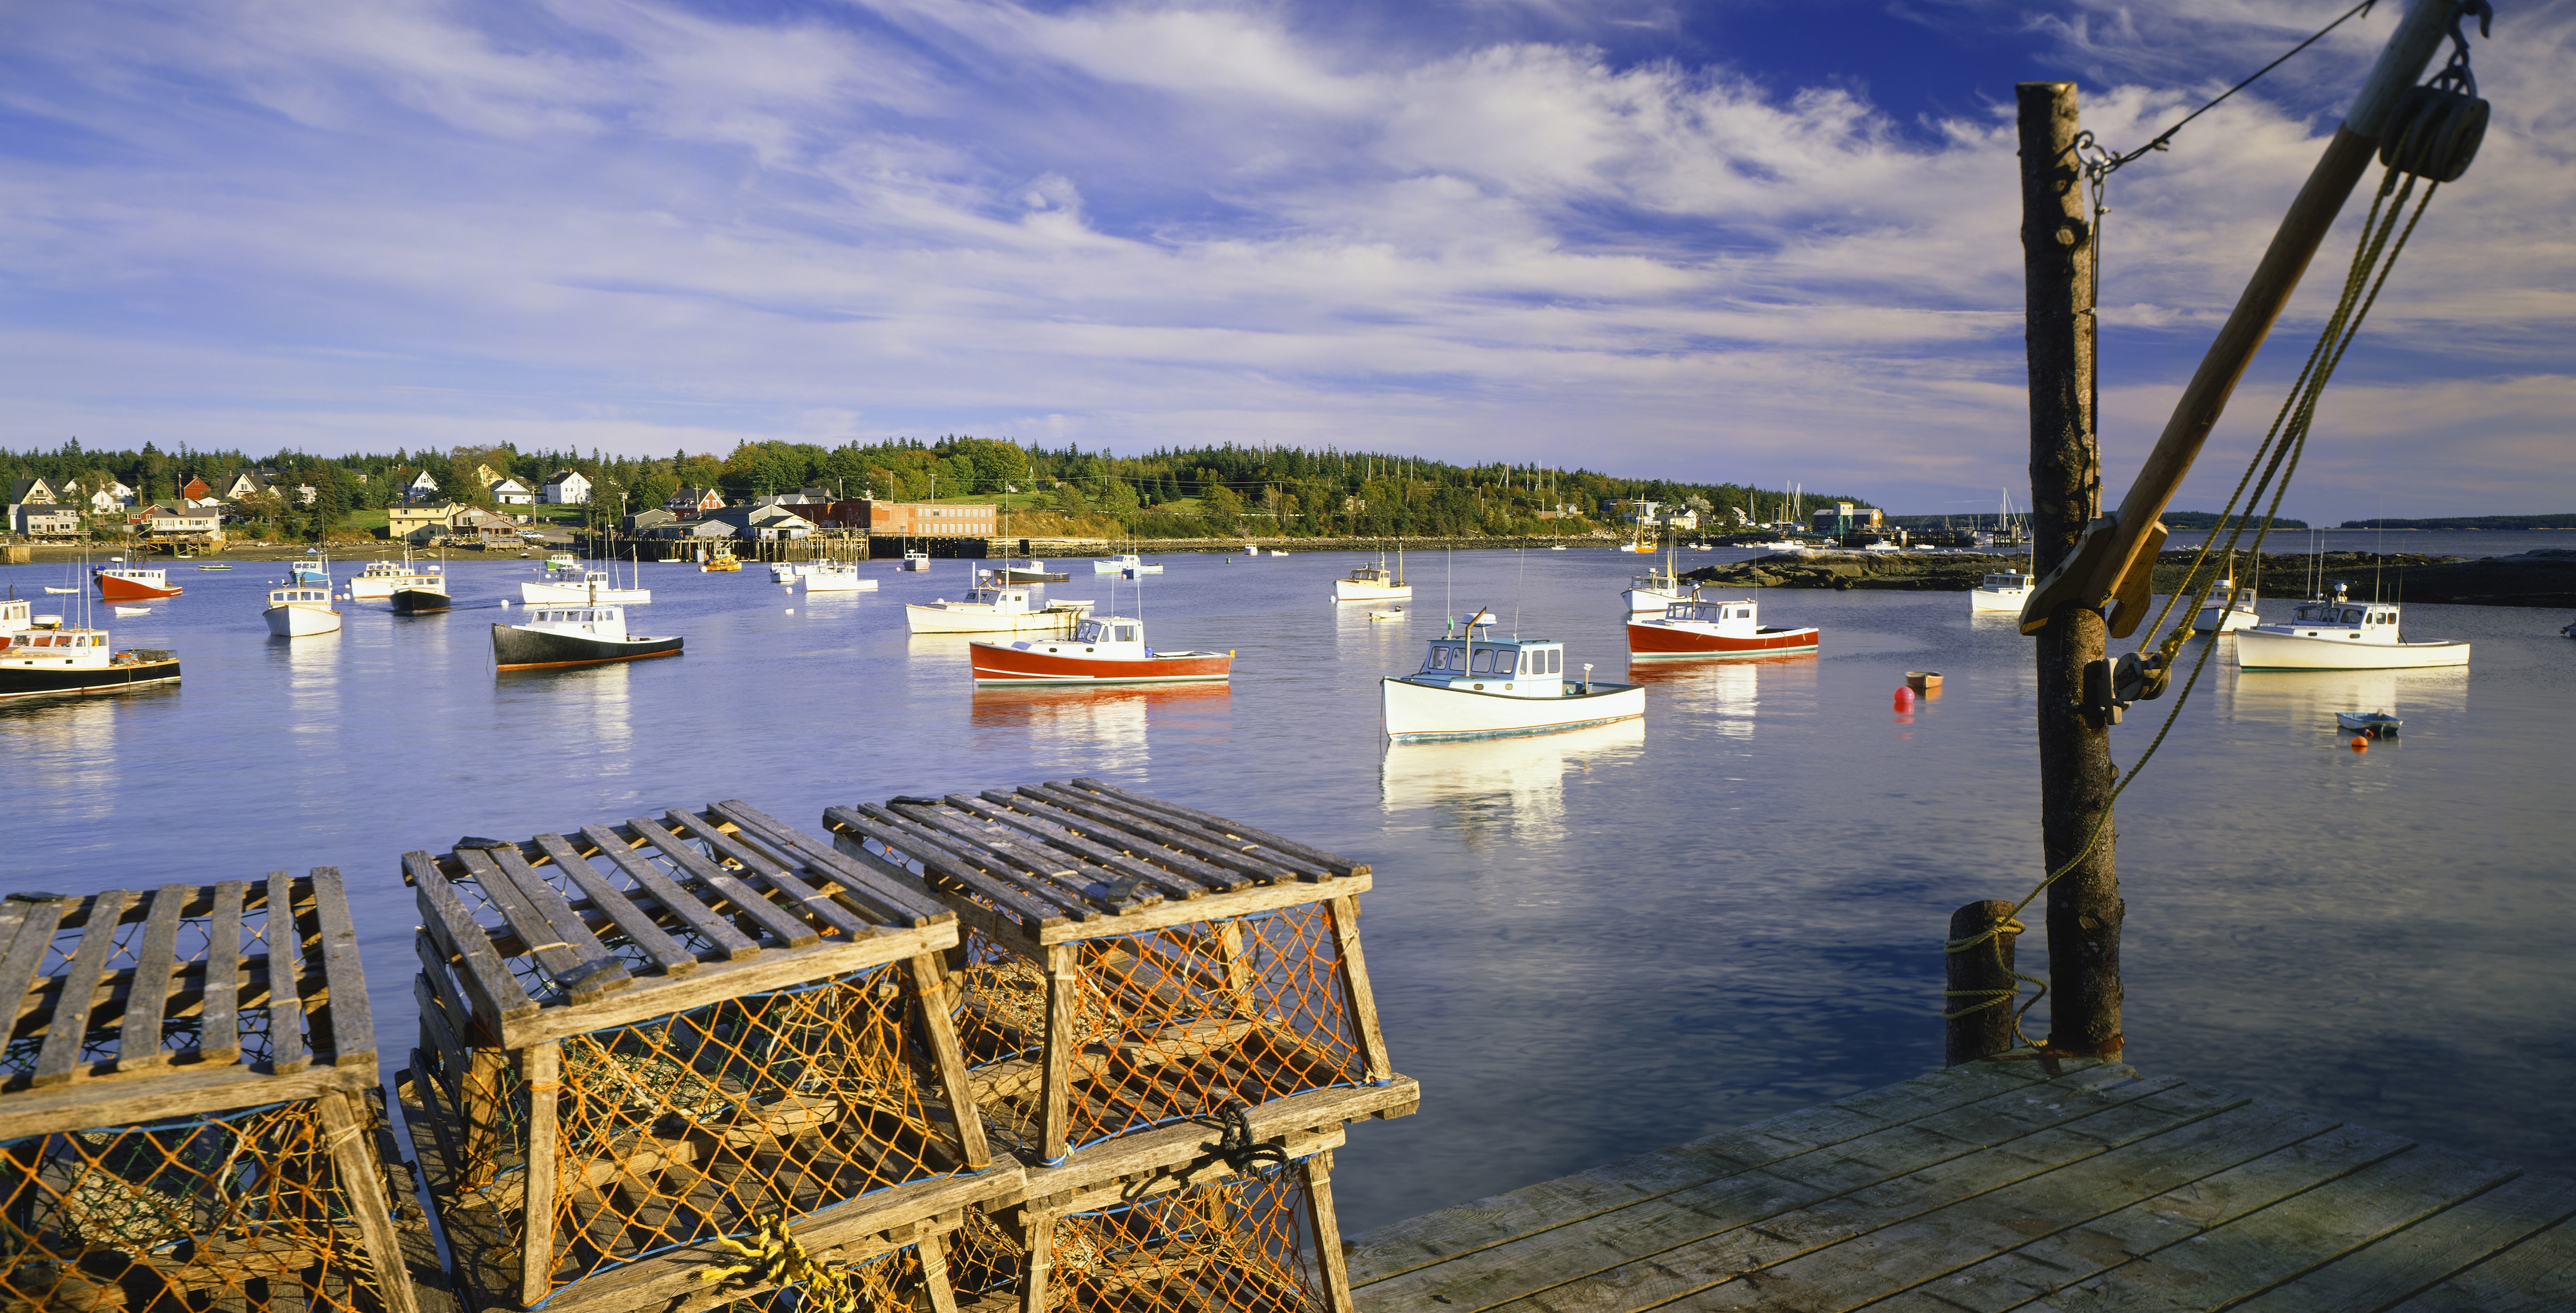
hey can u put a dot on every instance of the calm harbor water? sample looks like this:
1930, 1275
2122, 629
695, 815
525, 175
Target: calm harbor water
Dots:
1585, 945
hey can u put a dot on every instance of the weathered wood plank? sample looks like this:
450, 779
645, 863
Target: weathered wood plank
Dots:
498, 999
1220, 836
1182, 865
156, 963
945, 860
2436, 1248
778, 921
1605, 1254
1326, 1226
353, 1019
878, 898
177, 1090
999, 808
668, 954
285, 936
1058, 877
58, 1059
930, 986
1468, 1228
442, 1037
728, 939
552, 932
363, 1190
1210, 852
1333, 862
769, 870
2536, 1276
219, 1035
1353, 969
542, 1066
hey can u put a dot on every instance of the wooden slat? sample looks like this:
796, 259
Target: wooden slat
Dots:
554, 934
902, 836
774, 968
471, 1030
1178, 868
1137, 838
937, 1021
1055, 1117
1326, 1225
138, 1042
362, 1187
286, 1049
542, 1066
353, 1023
1039, 1241
1206, 840
2536, 1276
997, 807
998, 926
879, 898
2431, 1251
774, 873
634, 922
1061, 879
710, 925
13, 914
1332, 862
497, 996
442, 1036
1353, 969
174, 1091
59, 1058
935, 1281
219, 1038
789, 929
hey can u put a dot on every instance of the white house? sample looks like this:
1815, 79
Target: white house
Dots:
32, 492
44, 520
420, 489
566, 488
507, 491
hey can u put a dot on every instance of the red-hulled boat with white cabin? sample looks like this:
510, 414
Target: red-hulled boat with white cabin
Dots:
126, 583
1103, 650
1701, 628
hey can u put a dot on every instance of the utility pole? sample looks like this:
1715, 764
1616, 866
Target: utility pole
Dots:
2075, 771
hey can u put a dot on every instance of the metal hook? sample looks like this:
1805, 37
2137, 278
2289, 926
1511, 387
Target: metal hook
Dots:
2456, 72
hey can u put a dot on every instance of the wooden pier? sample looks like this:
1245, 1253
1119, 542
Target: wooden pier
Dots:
1992, 1186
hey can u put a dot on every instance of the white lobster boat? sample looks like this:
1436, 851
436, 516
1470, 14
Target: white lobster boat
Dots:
382, 579
1373, 583
2336, 633
1655, 590
1474, 686
836, 577
586, 586
2228, 610
38, 660
1126, 563
992, 608
2004, 591
297, 610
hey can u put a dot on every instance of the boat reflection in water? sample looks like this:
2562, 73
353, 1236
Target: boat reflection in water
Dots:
1094, 722
1508, 788
2309, 700
1722, 696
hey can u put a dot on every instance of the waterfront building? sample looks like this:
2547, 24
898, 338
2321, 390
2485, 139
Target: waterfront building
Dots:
566, 488
887, 519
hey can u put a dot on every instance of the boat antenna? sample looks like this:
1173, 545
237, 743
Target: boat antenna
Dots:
1520, 576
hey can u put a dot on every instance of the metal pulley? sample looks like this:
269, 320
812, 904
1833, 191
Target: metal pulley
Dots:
2435, 131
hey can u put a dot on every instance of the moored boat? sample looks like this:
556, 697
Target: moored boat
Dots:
1697, 628
129, 583
2337, 633
2228, 610
837, 578
1372, 583
382, 579
1126, 563
992, 608
1656, 589
2006, 590
556, 637
37, 662
1101, 650
916, 561
721, 561
427, 598
2368, 724
1035, 572
297, 610
786, 572
311, 570
1473, 686
588, 586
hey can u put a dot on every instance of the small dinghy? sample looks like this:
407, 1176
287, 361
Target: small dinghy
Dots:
2368, 724
134, 610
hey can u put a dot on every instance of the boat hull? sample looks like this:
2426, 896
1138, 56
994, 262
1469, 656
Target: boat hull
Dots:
117, 588
2257, 649
514, 648
578, 595
302, 621
1651, 601
1661, 641
950, 620
1000, 663
1034, 576
1348, 590
1990, 599
376, 588
2215, 620
1427, 713
838, 583
34, 681
419, 601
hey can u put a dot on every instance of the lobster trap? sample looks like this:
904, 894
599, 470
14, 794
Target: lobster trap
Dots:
648, 1045
185, 1110
1263, 1240
1131, 963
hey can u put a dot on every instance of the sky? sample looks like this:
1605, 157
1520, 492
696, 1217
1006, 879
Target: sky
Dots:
1746, 240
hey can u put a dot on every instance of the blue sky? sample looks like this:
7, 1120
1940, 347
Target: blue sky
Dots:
1746, 240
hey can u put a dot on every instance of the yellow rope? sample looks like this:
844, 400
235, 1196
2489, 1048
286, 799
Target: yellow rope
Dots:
777, 1259
2287, 439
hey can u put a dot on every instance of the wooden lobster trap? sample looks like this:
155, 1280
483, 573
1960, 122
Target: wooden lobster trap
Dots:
1131, 963
682, 1060
185, 1120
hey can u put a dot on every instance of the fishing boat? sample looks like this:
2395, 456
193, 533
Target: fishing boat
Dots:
787, 573
133, 610
130, 583
297, 610
1126, 563
2368, 724
1102, 650
837, 578
42, 662
61, 591
556, 637
916, 561
721, 561
2004, 591
311, 570
382, 579
992, 608
562, 563
1035, 572
1472, 685
1650, 593
423, 595
2337, 633
214, 567
589, 586
2228, 610
1373, 583
1697, 628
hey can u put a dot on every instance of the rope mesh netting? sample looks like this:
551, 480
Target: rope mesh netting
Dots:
1168, 1024
238, 1210
1242, 1246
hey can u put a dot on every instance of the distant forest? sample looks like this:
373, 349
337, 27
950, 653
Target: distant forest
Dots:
1195, 492
2567, 521
2204, 521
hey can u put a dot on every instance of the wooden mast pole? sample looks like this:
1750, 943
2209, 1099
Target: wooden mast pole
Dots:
2117, 547
2065, 493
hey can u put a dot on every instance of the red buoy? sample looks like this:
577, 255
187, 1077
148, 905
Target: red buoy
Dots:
2360, 744
1905, 699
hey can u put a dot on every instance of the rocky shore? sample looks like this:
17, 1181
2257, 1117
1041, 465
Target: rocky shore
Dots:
2545, 578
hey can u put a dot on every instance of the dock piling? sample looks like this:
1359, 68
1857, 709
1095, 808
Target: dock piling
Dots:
1978, 1021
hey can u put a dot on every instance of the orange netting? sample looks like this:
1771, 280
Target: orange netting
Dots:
1168, 1024
240, 1210
1243, 1246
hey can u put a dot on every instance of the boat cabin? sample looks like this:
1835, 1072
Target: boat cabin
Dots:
602, 621
1374, 574
69, 644
1735, 616
2364, 622
1516, 667
1109, 629
2008, 581
14, 616
305, 596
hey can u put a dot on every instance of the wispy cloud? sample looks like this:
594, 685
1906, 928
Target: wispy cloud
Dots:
646, 225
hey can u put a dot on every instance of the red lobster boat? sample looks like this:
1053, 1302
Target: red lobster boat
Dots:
1699, 628
1103, 650
125, 583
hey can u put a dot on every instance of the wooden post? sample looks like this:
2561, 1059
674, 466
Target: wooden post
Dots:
1979, 1000
1041, 1248
2065, 493
1330, 1263
542, 1065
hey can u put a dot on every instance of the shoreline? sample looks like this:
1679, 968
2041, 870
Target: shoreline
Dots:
2544, 578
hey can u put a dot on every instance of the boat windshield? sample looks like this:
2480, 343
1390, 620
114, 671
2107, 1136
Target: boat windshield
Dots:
1445, 656
1090, 631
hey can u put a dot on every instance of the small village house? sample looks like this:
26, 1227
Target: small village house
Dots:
420, 524
40, 520
183, 526
421, 488
507, 491
566, 488
33, 492
694, 501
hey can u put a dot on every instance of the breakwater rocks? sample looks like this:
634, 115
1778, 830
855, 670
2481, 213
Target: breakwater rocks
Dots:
2545, 578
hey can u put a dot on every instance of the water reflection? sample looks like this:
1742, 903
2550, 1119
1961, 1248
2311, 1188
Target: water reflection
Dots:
63, 749
1722, 695
2309, 699
1502, 788
1106, 725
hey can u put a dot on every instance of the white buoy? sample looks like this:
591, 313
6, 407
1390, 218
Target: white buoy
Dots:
505, 604
791, 610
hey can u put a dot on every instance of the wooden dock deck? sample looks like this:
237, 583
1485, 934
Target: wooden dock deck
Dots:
1994, 1186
